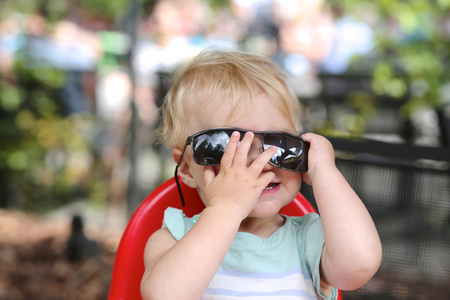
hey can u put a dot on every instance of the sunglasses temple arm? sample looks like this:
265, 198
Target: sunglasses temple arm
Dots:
179, 186
188, 141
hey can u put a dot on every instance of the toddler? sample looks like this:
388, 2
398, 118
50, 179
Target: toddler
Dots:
232, 121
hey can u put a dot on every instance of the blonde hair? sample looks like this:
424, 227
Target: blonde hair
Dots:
215, 75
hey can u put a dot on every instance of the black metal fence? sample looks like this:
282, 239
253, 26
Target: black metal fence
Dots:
407, 191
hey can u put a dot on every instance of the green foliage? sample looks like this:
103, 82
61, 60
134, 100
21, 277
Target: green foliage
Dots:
53, 10
45, 155
412, 46
106, 9
46, 158
412, 49
219, 3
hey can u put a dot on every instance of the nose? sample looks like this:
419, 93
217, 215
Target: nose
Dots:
255, 150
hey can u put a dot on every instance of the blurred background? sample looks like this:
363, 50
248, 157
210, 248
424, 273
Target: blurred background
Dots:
80, 87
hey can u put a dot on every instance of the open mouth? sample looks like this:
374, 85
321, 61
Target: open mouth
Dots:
271, 186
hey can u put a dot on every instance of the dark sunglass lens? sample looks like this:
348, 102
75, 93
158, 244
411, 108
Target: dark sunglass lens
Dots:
291, 152
208, 147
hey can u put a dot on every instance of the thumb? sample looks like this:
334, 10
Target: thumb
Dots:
208, 175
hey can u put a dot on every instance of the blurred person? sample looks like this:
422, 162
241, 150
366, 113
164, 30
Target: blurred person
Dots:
351, 37
259, 32
174, 32
68, 48
226, 29
194, 17
36, 48
11, 40
163, 44
78, 48
306, 31
114, 93
77, 51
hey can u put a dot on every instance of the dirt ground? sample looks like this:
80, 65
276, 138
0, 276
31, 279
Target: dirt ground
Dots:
35, 265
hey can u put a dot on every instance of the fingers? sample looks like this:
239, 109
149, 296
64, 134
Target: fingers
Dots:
238, 153
263, 159
308, 136
238, 181
230, 150
236, 156
321, 153
265, 178
317, 140
244, 148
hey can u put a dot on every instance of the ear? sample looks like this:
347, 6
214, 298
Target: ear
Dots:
184, 168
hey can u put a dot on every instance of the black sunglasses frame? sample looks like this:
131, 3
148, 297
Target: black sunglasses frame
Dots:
261, 134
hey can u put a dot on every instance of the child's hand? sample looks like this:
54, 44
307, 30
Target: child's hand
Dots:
238, 186
320, 155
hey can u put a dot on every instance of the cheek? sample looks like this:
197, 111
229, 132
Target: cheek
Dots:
293, 182
197, 173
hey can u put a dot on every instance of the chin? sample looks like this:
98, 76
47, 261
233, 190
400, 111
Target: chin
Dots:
266, 209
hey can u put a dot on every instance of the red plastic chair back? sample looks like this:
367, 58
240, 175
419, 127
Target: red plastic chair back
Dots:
129, 262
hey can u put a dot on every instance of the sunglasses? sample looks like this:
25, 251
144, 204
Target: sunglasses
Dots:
208, 147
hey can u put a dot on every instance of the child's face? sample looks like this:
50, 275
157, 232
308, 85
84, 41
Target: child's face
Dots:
263, 117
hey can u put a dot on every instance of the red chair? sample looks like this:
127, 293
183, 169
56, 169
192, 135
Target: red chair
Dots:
129, 262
